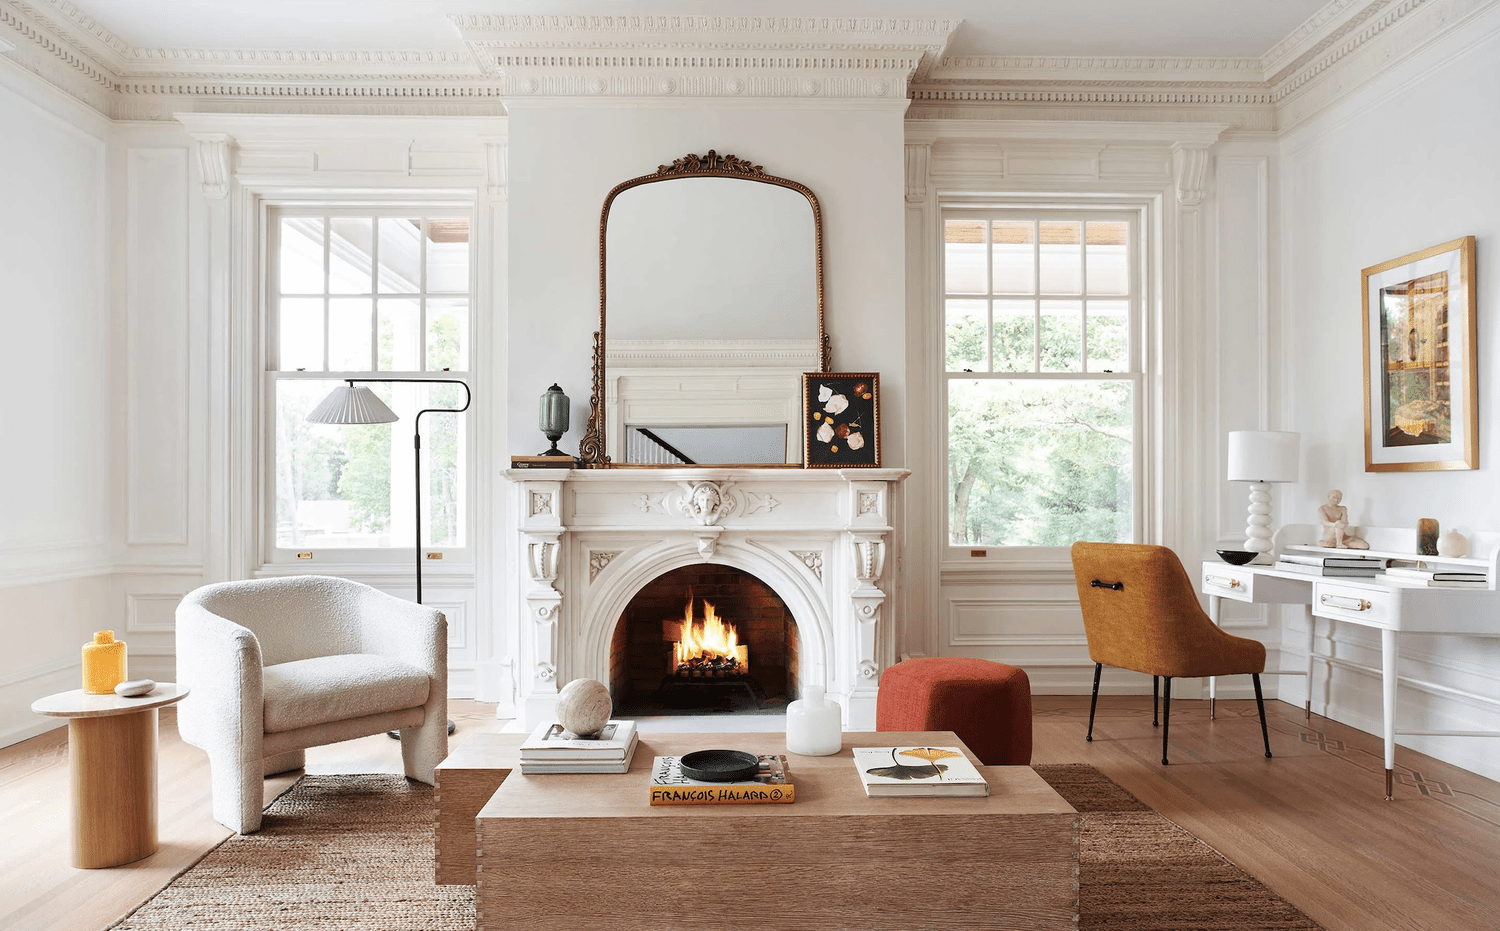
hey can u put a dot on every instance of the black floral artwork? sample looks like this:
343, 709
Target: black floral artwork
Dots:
841, 420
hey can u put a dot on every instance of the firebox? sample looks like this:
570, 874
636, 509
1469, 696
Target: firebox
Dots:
704, 639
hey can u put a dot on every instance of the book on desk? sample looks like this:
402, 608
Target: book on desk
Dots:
771, 785
550, 749
918, 771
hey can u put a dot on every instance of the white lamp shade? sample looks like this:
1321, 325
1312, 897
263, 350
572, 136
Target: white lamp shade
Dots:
1263, 456
351, 404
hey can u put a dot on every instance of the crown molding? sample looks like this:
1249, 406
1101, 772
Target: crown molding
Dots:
723, 57
786, 61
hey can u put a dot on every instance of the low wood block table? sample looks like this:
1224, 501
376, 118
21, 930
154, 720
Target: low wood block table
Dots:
589, 853
465, 781
112, 754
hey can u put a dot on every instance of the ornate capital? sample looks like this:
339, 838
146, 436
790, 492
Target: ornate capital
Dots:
1190, 168
213, 163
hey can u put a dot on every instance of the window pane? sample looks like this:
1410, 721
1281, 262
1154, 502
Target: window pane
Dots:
400, 255
1014, 252
448, 334
1108, 269
1039, 463
1062, 336
350, 246
1015, 336
300, 264
963, 257
352, 485
400, 335
1108, 336
349, 334
965, 334
448, 255
1062, 257
301, 333
333, 482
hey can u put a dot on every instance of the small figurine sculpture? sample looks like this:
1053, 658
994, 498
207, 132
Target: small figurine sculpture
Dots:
1335, 519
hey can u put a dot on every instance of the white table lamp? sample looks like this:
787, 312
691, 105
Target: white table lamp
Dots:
1261, 457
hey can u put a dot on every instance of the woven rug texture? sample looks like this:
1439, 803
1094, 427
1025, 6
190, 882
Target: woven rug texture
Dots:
355, 852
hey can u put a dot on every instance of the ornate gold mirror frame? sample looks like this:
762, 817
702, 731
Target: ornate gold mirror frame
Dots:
591, 449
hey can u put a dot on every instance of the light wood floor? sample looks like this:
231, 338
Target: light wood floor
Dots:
1310, 823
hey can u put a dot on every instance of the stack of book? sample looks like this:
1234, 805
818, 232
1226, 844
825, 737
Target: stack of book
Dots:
1438, 578
771, 785
918, 771
550, 749
1313, 564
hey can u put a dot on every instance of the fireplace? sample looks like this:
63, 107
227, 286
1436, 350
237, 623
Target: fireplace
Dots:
705, 639
588, 542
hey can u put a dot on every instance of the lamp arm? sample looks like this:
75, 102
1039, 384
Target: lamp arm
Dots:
416, 439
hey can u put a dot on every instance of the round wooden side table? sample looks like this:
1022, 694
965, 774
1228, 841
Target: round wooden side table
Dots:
112, 754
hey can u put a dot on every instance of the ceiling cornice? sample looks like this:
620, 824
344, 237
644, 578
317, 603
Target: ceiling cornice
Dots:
791, 60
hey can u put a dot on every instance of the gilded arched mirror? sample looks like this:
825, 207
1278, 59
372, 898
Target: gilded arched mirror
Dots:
710, 309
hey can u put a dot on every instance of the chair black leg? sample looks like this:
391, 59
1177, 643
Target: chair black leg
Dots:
1166, 715
1155, 699
1260, 705
1098, 668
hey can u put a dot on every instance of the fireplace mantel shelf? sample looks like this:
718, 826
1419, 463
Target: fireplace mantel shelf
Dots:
589, 540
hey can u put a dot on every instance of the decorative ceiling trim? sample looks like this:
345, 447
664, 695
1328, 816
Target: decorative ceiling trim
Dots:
796, 61
704, 56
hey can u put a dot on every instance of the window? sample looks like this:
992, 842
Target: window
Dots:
366, 294
1042, 375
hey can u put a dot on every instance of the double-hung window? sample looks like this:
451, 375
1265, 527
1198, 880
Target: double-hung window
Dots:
365, 294
1042, 375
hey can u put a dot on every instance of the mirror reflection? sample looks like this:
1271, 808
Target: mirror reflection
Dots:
711, 311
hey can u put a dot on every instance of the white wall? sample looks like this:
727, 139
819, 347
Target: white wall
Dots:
54, 395
1404, 164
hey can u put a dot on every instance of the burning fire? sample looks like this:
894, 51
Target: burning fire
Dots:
708, 644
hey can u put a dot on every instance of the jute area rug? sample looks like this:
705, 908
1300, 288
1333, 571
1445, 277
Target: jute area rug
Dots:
355, 852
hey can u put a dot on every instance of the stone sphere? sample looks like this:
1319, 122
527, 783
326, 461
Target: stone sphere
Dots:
583, 706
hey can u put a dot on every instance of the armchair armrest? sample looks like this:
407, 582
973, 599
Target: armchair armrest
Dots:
221, 662
404, 630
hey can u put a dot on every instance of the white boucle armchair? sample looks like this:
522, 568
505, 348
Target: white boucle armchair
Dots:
279, 665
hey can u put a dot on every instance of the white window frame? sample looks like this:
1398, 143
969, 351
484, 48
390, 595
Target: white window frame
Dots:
455, 559
1142, 300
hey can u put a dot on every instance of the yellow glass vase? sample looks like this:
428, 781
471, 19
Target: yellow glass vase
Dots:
103, 663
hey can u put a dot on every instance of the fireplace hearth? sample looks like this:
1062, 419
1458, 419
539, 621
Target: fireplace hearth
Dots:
589, 542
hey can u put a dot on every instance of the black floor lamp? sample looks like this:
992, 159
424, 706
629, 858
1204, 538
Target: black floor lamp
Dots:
347, 404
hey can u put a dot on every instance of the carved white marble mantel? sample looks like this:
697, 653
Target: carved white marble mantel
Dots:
589, 540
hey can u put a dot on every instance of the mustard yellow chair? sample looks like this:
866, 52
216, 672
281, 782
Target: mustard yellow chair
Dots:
1140, 613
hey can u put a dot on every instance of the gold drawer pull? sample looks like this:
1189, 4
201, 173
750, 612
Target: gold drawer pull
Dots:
1218, 580
1353, 604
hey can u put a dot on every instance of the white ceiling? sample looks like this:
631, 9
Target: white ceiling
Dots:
1173, 28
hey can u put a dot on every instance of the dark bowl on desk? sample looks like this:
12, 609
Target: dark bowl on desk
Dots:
1236, 557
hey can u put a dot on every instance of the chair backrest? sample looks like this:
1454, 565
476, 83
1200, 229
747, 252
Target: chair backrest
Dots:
298, 617
1140, 612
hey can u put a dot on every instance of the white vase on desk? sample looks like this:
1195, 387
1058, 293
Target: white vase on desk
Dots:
813, 724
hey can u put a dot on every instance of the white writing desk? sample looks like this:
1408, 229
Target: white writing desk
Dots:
1387, 605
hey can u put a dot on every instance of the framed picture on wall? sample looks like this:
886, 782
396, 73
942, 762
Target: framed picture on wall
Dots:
1421, 364
840, 420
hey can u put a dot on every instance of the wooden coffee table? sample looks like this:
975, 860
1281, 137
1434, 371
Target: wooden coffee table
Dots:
588, 853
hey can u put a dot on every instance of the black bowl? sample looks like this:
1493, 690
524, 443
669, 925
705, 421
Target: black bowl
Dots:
720, 765
1236, 557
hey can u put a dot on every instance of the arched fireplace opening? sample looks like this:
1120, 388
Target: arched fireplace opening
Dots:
704, 639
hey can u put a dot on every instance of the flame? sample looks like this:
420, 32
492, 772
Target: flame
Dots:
711, 638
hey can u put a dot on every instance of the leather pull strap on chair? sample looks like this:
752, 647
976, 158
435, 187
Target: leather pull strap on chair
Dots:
1140, 613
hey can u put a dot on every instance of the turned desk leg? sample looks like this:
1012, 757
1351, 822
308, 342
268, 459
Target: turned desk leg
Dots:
1312, 629
113, 761
1388, 706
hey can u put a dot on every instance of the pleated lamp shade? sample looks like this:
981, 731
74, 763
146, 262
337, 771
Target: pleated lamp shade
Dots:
352, 404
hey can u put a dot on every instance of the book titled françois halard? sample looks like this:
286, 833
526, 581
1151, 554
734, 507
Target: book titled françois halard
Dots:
918, 771
772, 785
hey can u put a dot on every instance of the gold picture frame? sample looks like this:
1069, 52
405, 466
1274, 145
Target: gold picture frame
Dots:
1421, 361
840, 420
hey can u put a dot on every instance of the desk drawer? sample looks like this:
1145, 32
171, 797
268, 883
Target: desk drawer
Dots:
1373, 607
1226, 581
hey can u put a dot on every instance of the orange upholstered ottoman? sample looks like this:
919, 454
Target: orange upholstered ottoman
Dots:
988, 705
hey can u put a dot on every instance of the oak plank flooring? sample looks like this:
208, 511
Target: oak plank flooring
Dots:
1310, 823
